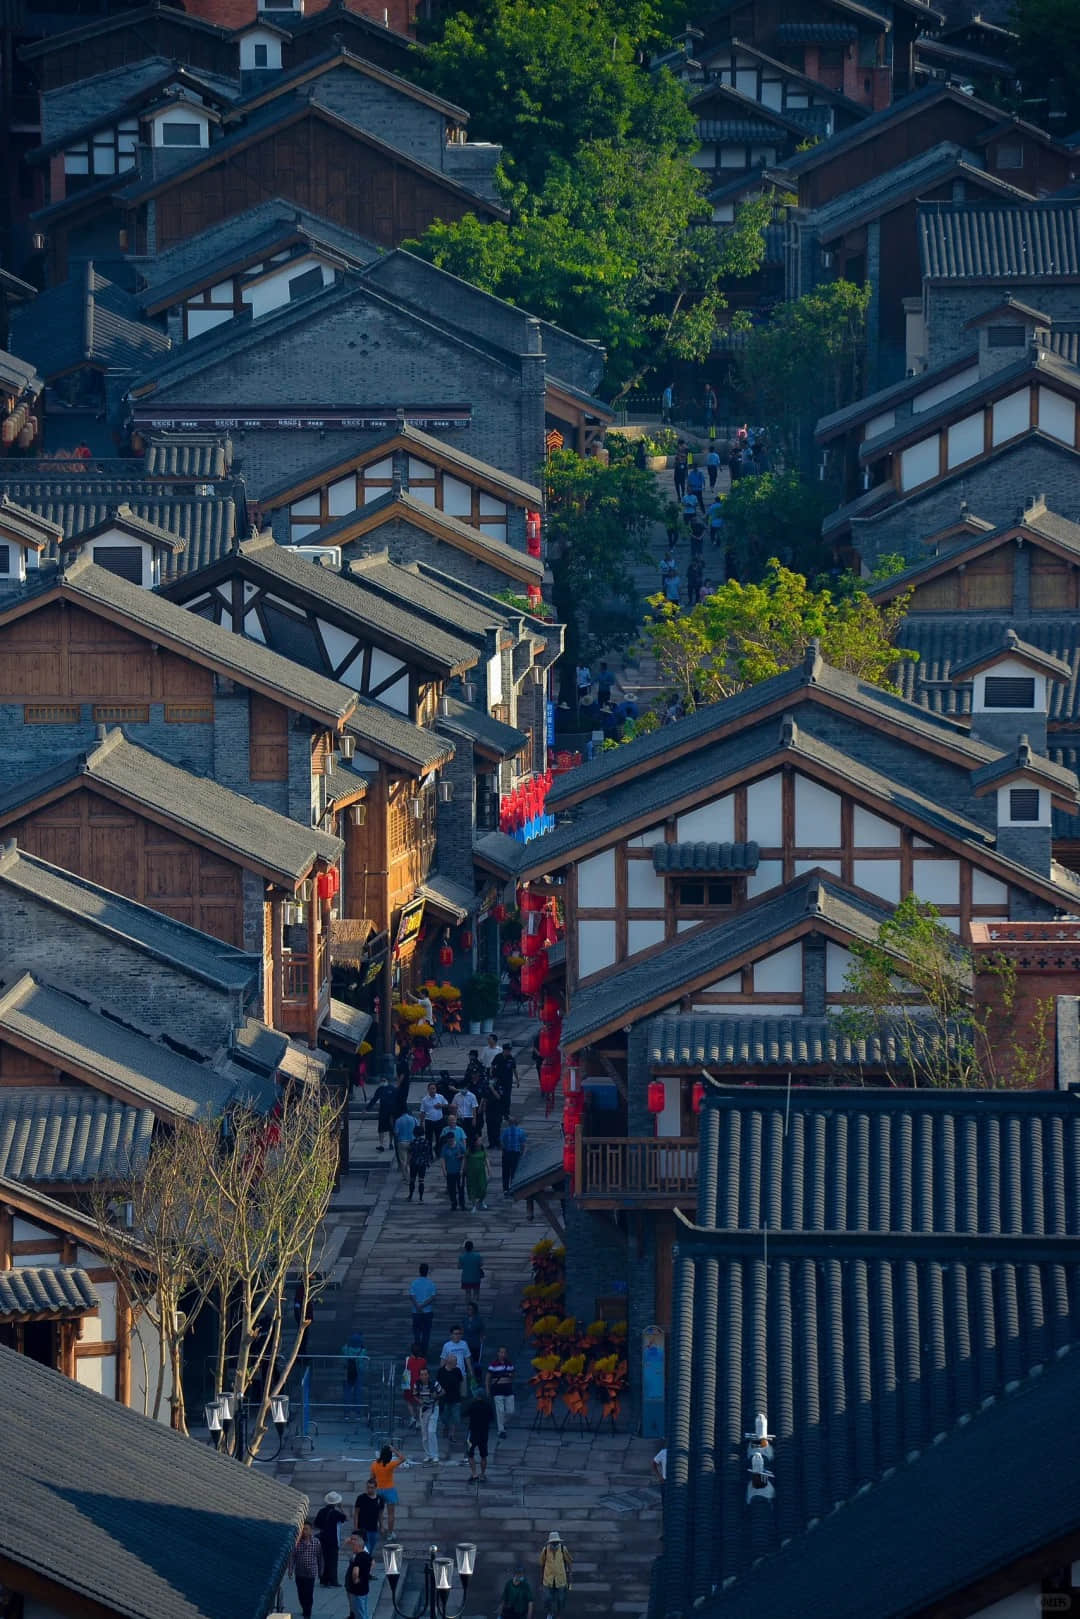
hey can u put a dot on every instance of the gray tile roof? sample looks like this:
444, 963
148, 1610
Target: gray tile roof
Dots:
188, 455
1061, 781
125, 517
122, 920
489, 734
1011, 645
447, 895
295, 229
32, 1292
339, 55
499, 850
401, 505
900, 109
429, 597
706, 953
66, 1032
344, 782
896, 393
947, 639
814, 87
23, 524
383, 729
989, 241
705, 857
894, 186
206, 523
923, 1256
256, 837
18, 375
245, 660
346, 1022
86, 320
56, 1134
690, 1040
74, 111
540, 1167
159, 1527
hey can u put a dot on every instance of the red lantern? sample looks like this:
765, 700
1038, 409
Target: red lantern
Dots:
531, 945
549, 1075
550, 1010
532, 976
549, 934
571, 1079
534, 595
530, 901
569, 1157
499, 912
548, 1040
573, 1111
698, 1095
466, 939
322, 886
532, 533
508, 948
656, 1096
446, 955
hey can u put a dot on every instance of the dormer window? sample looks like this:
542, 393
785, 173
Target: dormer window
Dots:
260, 56
176, 134
1006, 337
1009, 691
1024, 804
703, 895
1010, 155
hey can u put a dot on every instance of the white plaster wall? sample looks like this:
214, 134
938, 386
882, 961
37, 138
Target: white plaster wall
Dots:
494, 681
879, 877
259, 36
383, 666
764, 812
97, 1372
101, 1328
731, 985
780, 972
26, 1231
144, 1374
710, 823
596, 947
837, 962
1008, 667
669, 1121
596, 881
944, 390
753, 1009
965, 439
987, 890
831, 866
338, 643
642, 935
817, 815
272, 292
879, 424
184, 114
937, 881
645, 840
1020, 1605
644, 886
870, 831
1011, 415
1003, 807
341, 496
204, 320
770, 874
1057, 416
685, 926
919, 462
457, 497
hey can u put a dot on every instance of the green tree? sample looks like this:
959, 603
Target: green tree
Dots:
598, 523
743, 634
913, 986
806, 361
777, 514
1047, 56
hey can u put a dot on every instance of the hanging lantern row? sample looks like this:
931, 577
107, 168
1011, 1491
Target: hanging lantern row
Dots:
656, 1096
499, 912
327, 884
533, 973
446, 955
569, 1152
466, 939
550, 1074
548, 1040
529, 901
550, 1010
698, 1095
532, 533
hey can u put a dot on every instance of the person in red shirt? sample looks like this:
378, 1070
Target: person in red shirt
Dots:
414, 1365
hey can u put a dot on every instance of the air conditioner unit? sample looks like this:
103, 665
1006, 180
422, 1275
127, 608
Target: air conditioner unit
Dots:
324, 556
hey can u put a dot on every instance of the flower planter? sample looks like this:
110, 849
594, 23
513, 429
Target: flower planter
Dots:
656, 463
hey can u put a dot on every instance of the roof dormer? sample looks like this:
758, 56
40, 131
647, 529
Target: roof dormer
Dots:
24, 536
1006, 332
1009, 695
127, 545
180, 121
260, 47
278, 10
1028, 787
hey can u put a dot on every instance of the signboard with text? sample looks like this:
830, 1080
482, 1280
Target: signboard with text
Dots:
314, 419
412, 920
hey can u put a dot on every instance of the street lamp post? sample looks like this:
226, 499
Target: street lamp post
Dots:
225, 1409
438, 1578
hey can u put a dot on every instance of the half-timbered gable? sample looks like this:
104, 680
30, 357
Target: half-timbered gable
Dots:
737, 132
435, 474
333, 365
759, 77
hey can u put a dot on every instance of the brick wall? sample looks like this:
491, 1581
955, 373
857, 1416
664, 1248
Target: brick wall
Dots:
406, 542
1045, 959
456, 821
130, 982
380, 109
948, 308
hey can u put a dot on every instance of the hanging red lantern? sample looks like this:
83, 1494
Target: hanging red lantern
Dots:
534, 595
322, 886
550, 1069
571, 1083
466, 939
530, 901
532, 533
697, 1095
549, 934
573, 1111
531, 945
335, 881
569, 1157
446, 955
499, 912
656, 1096
550, 1010
548, 1040
532, 976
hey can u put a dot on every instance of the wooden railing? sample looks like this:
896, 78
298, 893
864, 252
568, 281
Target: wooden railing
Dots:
297, 970
652, 1171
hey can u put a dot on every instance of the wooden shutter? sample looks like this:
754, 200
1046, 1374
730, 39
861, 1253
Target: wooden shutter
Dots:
269, 740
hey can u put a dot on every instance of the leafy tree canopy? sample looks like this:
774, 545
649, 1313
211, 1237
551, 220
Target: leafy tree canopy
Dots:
742, 634
776, 514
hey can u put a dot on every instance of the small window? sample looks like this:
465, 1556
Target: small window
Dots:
124, 560
308, 281
1010, 155
181, 134
51, 713
1006, 337
5, 558
261, 55
704, 893
1023, 804
1009, 691
121, 714
189, 713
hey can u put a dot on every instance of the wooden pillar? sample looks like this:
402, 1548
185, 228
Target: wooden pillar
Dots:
272, 1009
7, 1226
123, 1344
315, 931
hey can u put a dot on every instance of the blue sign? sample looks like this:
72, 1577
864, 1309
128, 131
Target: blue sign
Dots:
652, 1382
550, 723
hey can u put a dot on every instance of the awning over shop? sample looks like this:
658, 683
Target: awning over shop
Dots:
33, 1293
348, 936
345, 1024
453, 899
542, 1177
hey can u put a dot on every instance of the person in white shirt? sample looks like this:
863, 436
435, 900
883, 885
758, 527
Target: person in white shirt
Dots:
659, 1464
423, 1000
433, 1108
467, 1104
490, 1051
456, 1347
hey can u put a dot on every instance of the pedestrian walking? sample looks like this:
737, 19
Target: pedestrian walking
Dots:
367, 1518
306, 1566
422, 1291
695, 578
471, 1266
428, 1399
433, 1106
472, 1330
328, 1522
695, 485
476, 1437
354, 1368
672, 587
450, 1379
383, 1102
499, 1384
419, 1164
467, 1104
712, 465
383, 1471
452, 1154
667, 403
476, 1176
711, 404
735, 461
489, 1052
584, 682
512, 1141
517, 1599
415, 1363
605, 685
358, 1578
555, 1566
503, 1076
405, 1128
456, 1347
680, 468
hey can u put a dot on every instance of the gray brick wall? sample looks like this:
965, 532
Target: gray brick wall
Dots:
948, 308
406, 542
367, 353
456, 821
130, 982
380, 109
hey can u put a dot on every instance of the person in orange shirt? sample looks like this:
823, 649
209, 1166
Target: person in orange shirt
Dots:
383, 1469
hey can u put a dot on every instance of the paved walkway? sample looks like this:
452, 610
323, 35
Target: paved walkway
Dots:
596, 1490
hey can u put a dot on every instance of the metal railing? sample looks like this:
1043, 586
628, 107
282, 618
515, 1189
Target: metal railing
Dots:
373, 1402
660, 1171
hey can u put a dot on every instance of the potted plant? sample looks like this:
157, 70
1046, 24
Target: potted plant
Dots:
480, 997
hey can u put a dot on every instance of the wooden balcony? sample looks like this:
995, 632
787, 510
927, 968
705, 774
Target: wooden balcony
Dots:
642, 1172
304, 1003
